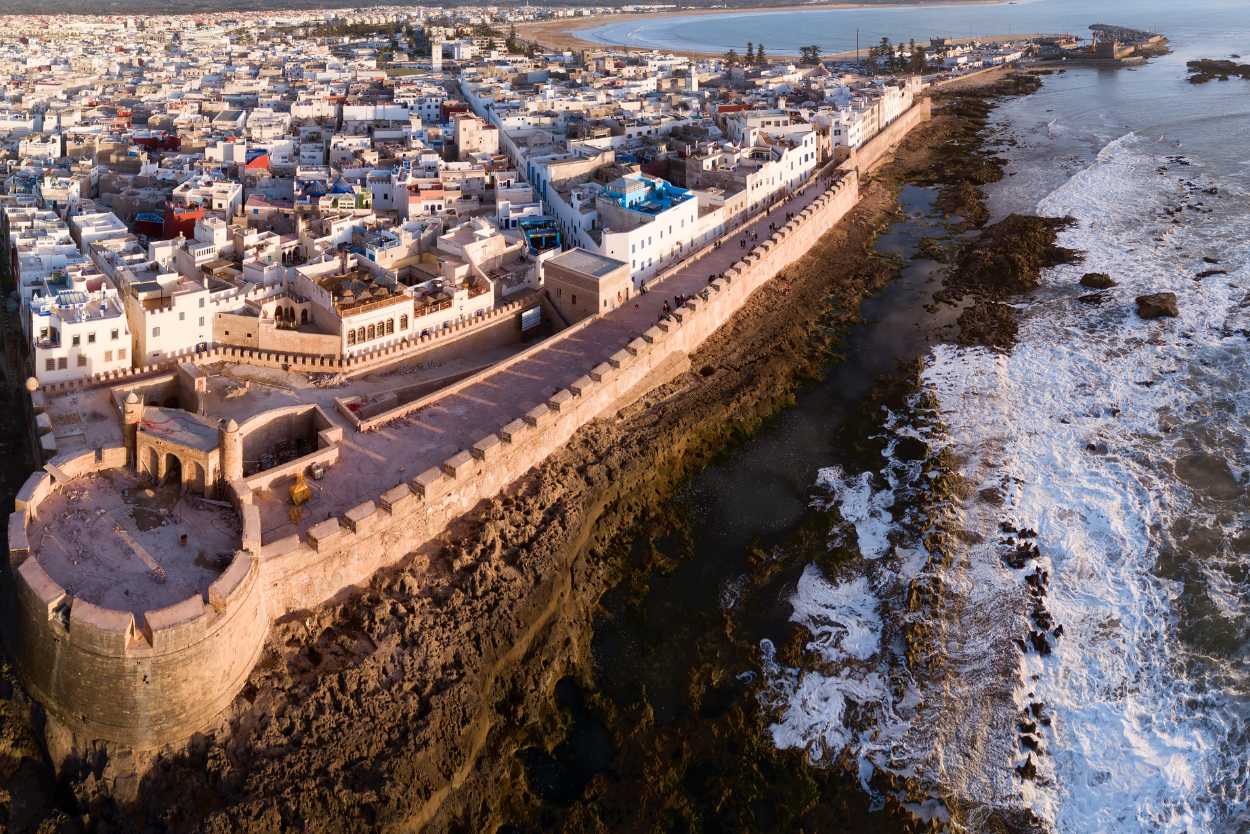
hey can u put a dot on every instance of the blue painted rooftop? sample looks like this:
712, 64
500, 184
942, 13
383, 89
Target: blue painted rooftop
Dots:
648, 195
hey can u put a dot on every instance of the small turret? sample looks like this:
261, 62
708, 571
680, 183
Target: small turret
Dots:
231, 451
132, 415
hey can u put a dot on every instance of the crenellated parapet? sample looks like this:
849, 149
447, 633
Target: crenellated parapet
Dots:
142, 680
152, 676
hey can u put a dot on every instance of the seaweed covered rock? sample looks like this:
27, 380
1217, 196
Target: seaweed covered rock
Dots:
1005, 259
989, 323
1157, 305
931, 248
1097, 280
959, 166
1208, 69
1009, 256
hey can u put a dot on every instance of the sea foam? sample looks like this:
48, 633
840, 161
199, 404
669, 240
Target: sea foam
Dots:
1079, 440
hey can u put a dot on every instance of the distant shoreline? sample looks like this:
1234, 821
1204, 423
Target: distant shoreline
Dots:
566, 33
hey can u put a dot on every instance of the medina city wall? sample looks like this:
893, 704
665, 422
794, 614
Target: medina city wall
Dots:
154, 680
300, 571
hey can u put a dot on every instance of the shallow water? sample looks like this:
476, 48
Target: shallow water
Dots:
836, 30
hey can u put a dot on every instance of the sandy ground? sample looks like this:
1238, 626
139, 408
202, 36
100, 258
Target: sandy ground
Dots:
114, 542
565, 33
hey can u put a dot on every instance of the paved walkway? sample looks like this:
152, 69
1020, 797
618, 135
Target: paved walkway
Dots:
373, 462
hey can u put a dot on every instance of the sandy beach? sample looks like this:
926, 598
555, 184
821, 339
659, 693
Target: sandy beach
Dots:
566, 33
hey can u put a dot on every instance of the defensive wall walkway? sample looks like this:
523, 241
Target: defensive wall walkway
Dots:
150, 678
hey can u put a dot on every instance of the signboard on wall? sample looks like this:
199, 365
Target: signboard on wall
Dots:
531, 318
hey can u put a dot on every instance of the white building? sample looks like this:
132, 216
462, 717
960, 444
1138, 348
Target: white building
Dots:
79, 332
647, 223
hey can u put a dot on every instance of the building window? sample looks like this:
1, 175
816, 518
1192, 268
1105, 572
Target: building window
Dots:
351, 337
360, 334
390, 326
62, 363
201, 321
108, 356
373, 333
82, 361
121, 353
91, 338
403, 322
573, 299
77, 340
114, 335
49, 365
182, 317
156, 331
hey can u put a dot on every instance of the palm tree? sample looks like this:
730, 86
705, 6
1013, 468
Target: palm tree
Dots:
919, 61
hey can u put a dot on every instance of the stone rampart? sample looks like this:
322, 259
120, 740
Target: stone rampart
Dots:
150, 679
142, 681
300, 571
873, 152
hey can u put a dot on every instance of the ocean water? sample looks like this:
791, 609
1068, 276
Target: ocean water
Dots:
1124, 443
834, 30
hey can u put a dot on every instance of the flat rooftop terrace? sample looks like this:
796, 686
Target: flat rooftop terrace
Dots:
114, 542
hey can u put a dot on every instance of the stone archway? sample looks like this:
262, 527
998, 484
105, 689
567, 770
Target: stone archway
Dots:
195, 478
173, 469
153, 468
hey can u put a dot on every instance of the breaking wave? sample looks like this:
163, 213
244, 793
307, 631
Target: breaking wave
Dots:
1098, 408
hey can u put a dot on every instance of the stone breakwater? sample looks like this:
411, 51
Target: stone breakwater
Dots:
151, 679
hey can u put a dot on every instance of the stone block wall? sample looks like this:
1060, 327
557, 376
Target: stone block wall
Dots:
870, 154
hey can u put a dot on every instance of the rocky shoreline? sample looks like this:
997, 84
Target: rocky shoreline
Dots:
1211, 69
400, 708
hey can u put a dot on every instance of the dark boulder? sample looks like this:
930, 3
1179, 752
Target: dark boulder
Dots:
1157, 305
1097, 280
1028, 770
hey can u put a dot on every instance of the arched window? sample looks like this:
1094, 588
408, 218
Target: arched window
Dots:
303, 316
390, 326
351, 337
373, 332
403, 322
360, 334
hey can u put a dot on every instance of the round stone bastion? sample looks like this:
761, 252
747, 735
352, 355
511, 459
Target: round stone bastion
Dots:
136, 614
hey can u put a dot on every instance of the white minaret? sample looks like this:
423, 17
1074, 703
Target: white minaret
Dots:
694, 78
436, 54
